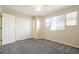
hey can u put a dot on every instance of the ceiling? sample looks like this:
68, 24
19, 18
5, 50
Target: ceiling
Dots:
30, 11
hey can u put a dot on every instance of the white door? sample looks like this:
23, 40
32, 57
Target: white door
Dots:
0, 29
23, 28
8, 29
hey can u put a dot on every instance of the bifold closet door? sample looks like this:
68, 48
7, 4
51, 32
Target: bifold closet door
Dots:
8, 29
0, 29
23, 28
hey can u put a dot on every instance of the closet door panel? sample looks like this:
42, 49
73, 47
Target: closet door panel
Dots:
23, 28
8, 29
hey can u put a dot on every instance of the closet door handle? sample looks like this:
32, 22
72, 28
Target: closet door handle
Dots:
1, 28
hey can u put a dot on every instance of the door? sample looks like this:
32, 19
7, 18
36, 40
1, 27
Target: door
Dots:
0, 29
23, 28
8, 30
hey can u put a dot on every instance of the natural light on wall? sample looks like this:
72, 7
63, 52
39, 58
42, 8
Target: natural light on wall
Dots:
71, 19
37, 24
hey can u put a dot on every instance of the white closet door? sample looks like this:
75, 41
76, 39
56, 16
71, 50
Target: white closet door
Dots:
23, 28
8, 29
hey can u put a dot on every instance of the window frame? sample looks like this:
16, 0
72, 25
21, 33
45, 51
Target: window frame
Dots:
57, 28
75, 19
65, 21
48, 22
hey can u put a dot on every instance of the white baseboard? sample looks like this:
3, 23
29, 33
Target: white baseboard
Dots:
60, 42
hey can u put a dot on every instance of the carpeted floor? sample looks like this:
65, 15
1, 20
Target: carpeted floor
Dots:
37, 46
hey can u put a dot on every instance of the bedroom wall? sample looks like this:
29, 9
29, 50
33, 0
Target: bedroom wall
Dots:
37, 33
69, 36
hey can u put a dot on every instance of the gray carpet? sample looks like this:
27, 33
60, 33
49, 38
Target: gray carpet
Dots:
37, 46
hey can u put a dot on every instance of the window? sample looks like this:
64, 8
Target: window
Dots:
58, 23
71, 19
47, 22
53, 23
61, 22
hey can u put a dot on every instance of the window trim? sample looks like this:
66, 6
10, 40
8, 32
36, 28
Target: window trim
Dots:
75, 19
65, 20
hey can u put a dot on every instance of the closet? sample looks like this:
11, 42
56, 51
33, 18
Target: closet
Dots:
8, 28
15, 28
